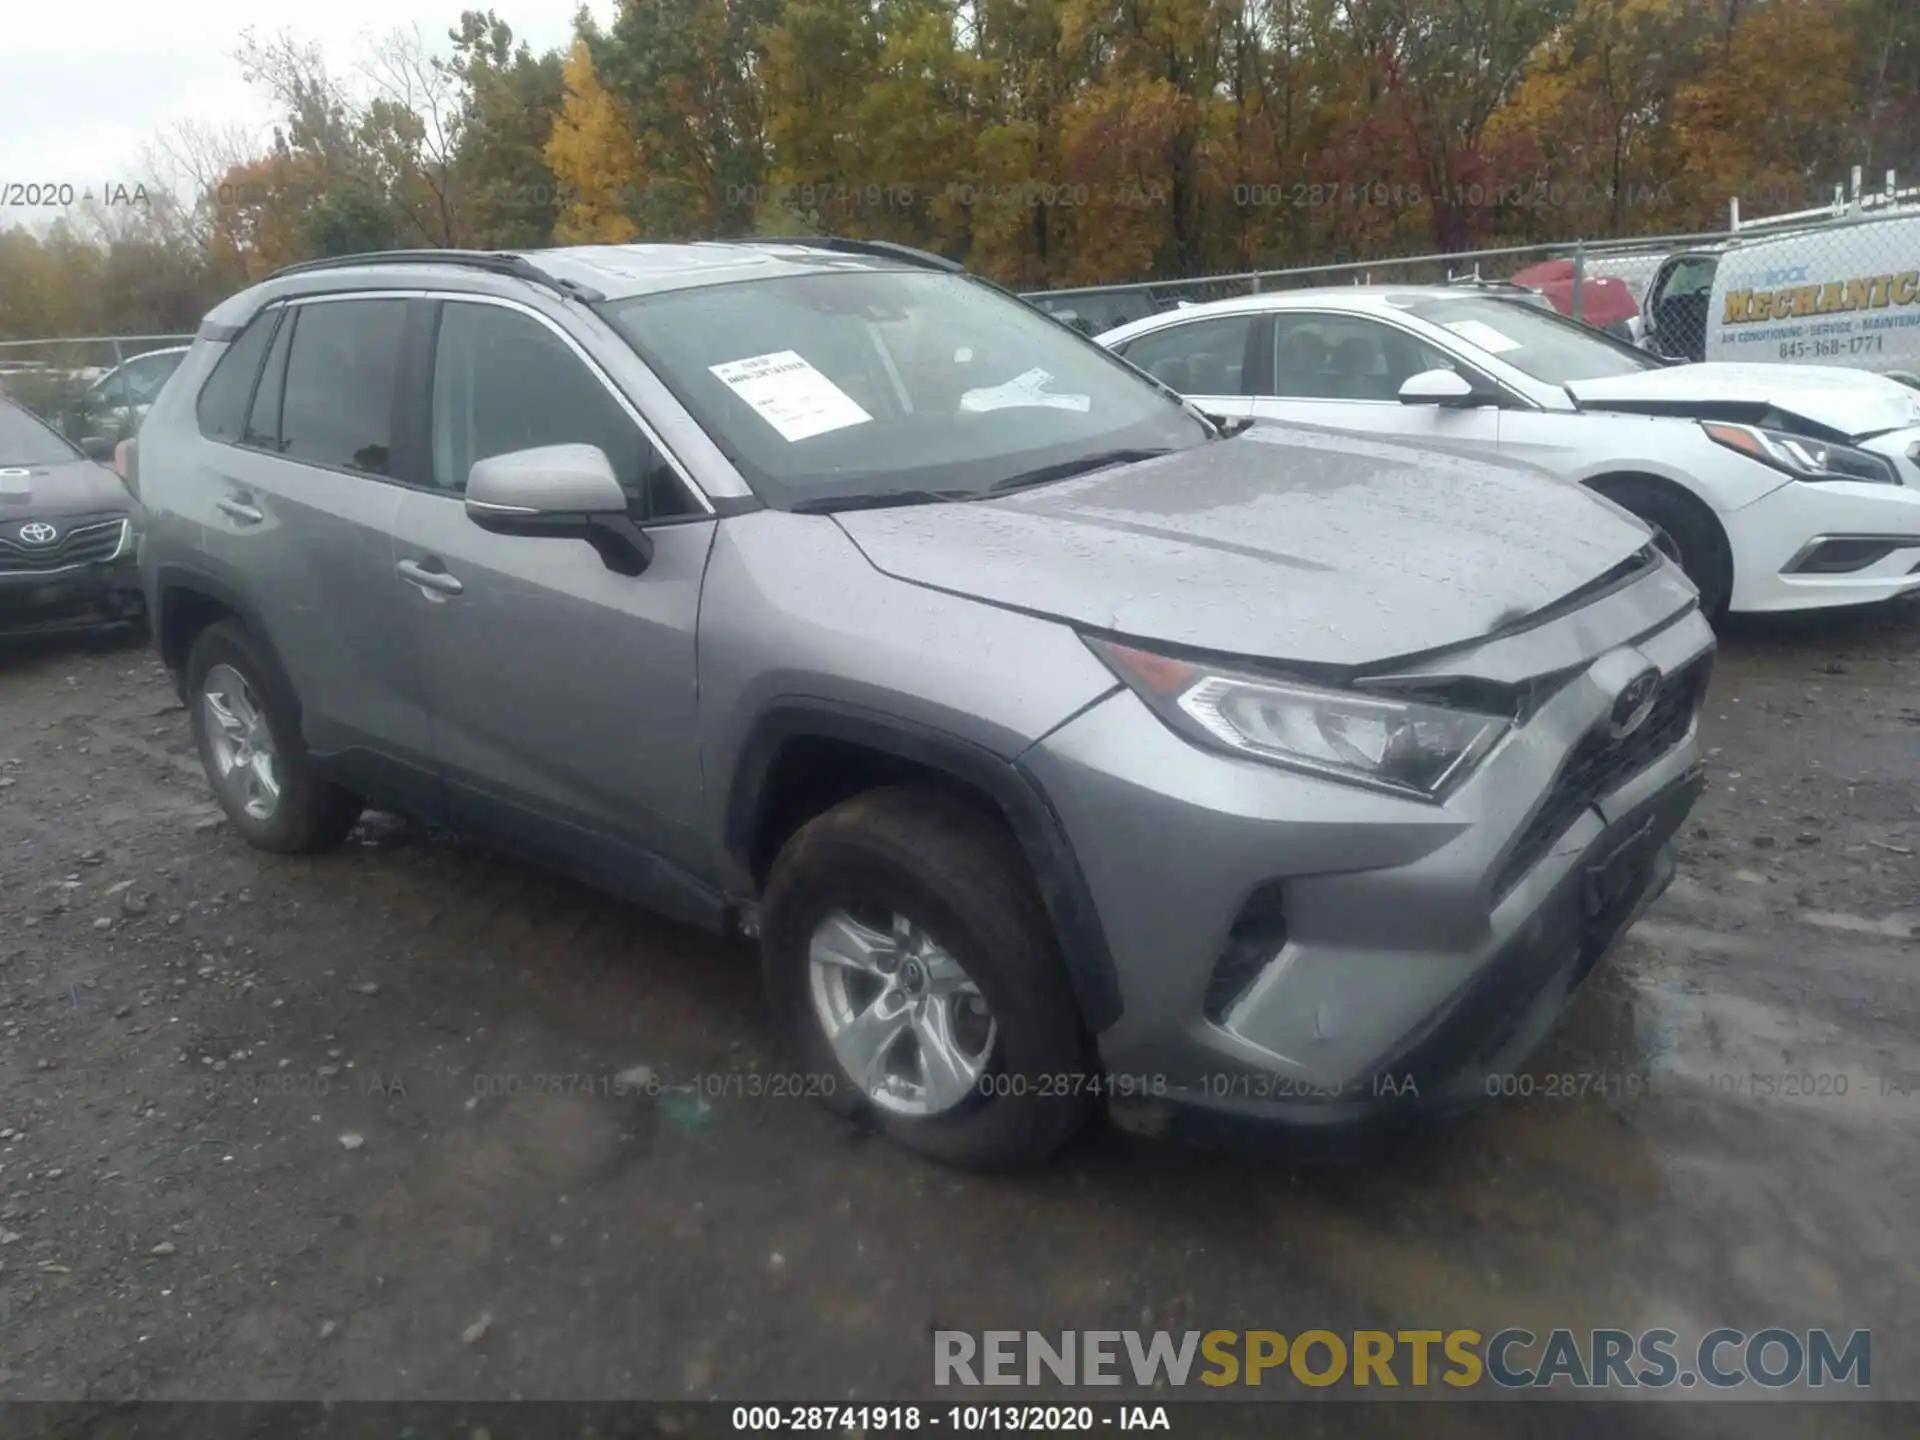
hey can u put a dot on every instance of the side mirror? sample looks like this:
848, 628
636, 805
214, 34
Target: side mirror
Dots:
1442, 387
559, 492
98, 447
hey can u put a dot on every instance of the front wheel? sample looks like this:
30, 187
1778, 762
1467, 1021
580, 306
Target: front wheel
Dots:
910, 961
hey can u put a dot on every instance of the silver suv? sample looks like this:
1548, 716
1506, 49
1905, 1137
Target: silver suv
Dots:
1060, 744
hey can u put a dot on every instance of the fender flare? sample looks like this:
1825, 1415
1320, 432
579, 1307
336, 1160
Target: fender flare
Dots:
171, 581
1014, 793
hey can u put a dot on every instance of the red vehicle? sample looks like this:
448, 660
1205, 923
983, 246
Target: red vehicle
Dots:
1605, 300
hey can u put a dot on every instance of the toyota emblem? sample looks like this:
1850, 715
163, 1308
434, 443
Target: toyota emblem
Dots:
38, 532
1633, 704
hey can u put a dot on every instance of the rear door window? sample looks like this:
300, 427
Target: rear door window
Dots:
339, 402
1197, 357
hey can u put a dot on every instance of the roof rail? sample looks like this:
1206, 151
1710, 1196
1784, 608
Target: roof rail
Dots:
497, 262
852, 245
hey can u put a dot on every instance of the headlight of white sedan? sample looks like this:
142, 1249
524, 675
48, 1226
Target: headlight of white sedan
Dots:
1802, 458
1403, 746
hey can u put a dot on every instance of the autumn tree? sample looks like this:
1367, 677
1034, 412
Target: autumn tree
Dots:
1588, 135
594, 157
684, 74
510, 100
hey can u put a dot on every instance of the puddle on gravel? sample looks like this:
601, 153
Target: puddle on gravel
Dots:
1737, 1048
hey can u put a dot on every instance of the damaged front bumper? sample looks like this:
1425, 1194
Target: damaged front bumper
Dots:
1291, 951
88, 580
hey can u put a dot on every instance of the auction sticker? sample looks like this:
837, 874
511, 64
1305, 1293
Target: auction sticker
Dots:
790, 395
1478, 332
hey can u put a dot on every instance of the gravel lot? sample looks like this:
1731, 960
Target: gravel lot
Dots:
344, 1127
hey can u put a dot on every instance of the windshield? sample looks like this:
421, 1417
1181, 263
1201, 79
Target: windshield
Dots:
858, 384
25, 441
1534, 341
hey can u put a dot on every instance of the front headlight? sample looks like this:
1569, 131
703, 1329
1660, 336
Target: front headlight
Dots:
1403, 746
1802, 458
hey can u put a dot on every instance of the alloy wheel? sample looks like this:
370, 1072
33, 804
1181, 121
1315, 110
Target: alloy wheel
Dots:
245, 762
901, 1014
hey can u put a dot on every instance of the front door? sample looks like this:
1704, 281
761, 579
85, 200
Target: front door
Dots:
1345, 370
564, 695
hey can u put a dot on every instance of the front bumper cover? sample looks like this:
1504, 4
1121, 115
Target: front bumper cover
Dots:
71, 599
1490, 1026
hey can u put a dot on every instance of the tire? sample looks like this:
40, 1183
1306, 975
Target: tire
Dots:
953, 871
1692, 530
308, 813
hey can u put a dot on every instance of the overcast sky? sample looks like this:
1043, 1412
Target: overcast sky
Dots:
85, 87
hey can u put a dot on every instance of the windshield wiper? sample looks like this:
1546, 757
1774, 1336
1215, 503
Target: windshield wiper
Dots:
1065, 469
1229, 425
877, 500
883, 499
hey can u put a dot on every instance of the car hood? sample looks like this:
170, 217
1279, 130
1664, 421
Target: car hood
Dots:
1284, 543
1848, 403
42, 492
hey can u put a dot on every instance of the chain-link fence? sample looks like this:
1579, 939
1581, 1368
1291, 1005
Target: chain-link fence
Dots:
1843, 291
94, 389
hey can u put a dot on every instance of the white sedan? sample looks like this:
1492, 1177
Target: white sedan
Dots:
1783, 487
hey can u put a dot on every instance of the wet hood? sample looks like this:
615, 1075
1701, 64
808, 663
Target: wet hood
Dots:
1284, 543
1848, 403
43, 492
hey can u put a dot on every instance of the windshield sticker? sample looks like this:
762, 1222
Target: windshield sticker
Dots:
1023, 390
790, 395
1478, 332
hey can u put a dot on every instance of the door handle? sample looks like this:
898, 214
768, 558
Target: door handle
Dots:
239, 510
438, 581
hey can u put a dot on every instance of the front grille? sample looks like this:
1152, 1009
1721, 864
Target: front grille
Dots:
1600, 765
82, 545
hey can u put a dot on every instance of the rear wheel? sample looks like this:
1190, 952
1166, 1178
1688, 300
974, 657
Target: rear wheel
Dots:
249, 741
1692, 535
912, 965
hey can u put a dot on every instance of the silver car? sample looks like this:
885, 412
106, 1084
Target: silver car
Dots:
1059, 743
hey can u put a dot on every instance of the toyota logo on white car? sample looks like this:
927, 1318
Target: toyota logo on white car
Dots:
38, 532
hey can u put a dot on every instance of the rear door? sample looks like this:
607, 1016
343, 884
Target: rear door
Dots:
299, 513
564, 694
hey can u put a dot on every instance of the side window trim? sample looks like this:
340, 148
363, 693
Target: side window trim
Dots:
632, 411
283, 320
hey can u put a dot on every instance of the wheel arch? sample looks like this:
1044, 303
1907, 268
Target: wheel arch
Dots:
186, 602
802, 757
1606, 481
1609, 482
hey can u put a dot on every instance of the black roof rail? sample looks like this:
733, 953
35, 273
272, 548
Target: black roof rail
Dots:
853, 245
497, 262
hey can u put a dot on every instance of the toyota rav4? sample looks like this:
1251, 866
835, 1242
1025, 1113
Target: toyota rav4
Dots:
1058, 742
